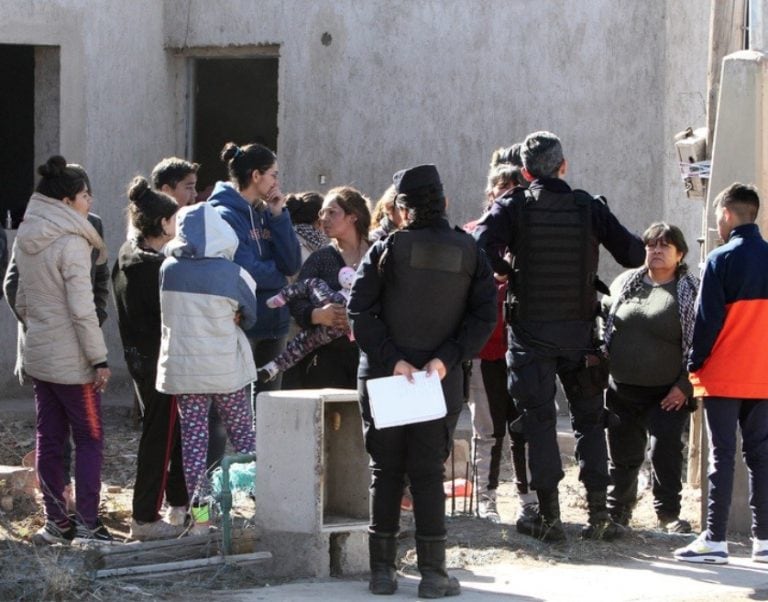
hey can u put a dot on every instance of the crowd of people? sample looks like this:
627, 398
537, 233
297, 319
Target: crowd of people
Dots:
252, 290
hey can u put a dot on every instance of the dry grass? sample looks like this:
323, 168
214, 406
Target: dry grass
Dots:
57, 573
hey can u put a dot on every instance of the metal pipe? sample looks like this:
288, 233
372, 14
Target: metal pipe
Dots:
453, 478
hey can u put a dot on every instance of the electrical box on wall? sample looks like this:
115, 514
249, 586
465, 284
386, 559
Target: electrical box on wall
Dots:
691, 146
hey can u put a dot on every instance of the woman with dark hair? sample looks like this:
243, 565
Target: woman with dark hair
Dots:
346, 219
493, 416
386, 218
253, 205
64, 350
304, 208
648, 328
135, 280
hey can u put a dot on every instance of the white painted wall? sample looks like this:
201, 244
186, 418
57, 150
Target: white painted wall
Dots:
402, 82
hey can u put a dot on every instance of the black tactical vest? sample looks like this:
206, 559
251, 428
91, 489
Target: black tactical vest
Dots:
556, 257
428, 275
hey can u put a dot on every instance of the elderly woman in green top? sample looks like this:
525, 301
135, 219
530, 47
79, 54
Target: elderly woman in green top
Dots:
648, 327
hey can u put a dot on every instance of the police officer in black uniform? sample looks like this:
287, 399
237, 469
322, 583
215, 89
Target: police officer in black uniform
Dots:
553, 234
423, 300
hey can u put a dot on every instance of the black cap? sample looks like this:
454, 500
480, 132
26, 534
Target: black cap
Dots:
416, 179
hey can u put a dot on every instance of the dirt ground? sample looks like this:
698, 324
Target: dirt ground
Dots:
56, 572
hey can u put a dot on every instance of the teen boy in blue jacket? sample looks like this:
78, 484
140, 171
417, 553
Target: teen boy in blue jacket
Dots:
729, 367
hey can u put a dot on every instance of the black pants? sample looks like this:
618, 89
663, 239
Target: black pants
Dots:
332, 365
264, 351
503, 414
159, 469
417, 450
724, 415
539, 351
640, 415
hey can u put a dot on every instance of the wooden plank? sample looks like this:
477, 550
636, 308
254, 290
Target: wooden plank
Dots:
183, 565
151, 552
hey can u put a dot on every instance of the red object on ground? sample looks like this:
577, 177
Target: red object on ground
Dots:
461, 488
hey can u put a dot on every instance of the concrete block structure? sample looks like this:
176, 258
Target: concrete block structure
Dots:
312, 480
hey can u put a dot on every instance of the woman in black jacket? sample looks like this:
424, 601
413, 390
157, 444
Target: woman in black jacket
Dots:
424, 299
135, 280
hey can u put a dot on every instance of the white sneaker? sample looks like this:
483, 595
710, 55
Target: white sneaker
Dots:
528, 511
703, 550
155, 530
51, 533
760, 550
486, 508
176, 516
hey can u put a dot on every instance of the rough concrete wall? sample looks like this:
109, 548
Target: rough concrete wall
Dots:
447, 81
395, 83
117, 112
685, 93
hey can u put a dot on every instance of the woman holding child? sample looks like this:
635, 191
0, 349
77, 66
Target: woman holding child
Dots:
346, 219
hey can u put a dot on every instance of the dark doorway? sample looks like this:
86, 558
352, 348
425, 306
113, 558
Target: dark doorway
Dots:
234, 99
17, 132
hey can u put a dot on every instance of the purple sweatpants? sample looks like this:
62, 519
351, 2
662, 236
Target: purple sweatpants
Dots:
59, 408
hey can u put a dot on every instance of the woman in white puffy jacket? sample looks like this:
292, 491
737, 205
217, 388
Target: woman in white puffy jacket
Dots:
206, 302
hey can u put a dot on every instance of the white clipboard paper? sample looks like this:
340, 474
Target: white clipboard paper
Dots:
395, 401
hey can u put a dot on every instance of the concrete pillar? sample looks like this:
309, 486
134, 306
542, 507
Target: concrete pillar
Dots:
738, 154
312, 480
758, 22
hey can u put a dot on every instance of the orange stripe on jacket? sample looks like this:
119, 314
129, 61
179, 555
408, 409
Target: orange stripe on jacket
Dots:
92, 417
738, 364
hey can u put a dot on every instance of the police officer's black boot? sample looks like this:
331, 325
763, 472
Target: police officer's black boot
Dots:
547, 525
601, 525
382, 550
435, 582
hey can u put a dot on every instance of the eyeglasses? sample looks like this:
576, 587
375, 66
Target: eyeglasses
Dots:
662, 244
327, 212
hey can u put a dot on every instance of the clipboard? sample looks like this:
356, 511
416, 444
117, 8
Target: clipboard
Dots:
395, 402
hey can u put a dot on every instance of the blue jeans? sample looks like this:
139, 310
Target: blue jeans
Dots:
722, 415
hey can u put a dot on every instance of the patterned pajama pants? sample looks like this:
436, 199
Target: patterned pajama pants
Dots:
304, 343
236, 414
